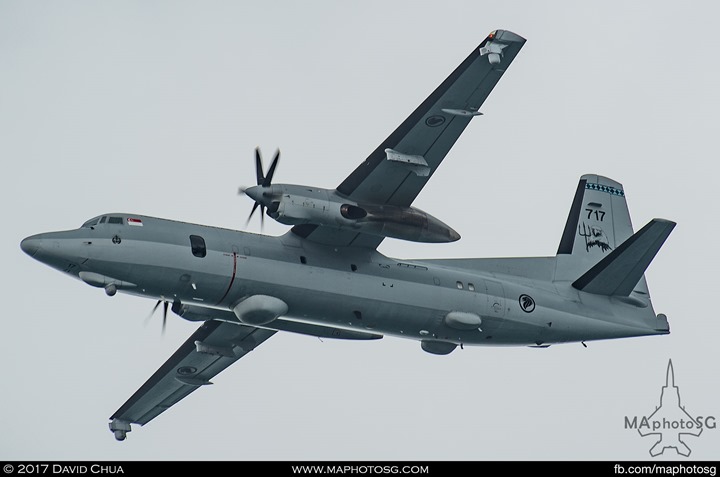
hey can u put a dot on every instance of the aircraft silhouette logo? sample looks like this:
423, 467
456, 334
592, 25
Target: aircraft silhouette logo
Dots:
671, 410
670, 423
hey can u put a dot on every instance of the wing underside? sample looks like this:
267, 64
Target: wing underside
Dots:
399, 168
212, 348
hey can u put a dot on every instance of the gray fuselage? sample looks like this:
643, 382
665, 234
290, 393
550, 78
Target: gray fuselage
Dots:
347, 288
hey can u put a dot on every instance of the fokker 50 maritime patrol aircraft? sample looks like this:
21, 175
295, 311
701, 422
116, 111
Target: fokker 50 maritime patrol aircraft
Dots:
326, 278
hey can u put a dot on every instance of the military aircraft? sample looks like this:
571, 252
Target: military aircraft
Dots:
325, 277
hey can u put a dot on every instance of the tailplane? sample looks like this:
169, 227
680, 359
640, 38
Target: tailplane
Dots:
619, 273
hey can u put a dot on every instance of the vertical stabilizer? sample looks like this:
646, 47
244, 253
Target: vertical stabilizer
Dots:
599, 221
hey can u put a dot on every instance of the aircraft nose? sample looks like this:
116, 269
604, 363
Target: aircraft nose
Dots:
30, 245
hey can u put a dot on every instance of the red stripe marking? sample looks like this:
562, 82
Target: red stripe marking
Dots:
232, 279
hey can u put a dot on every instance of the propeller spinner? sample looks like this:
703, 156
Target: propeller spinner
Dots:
261, 193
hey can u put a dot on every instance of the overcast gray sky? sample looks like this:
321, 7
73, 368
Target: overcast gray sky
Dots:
155, 107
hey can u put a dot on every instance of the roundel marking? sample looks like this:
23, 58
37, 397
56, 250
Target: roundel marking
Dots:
435, 121
527, 304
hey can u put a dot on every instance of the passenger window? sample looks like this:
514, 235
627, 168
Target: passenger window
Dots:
197, 245
471, 287
459, 285
115, 220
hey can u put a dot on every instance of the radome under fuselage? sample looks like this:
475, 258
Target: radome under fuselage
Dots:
346, 288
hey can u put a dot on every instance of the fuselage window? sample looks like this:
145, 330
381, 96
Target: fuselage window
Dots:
471, 287
115, 220
197, 245
459, 285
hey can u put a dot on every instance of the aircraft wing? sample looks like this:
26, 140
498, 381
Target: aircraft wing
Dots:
399, 168
212, 348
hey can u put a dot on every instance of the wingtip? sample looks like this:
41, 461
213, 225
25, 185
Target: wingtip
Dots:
505, 36
665, 221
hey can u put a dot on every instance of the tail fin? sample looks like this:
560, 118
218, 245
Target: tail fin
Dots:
599, 222
619, 272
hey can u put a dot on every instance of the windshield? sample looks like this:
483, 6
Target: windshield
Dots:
91, 222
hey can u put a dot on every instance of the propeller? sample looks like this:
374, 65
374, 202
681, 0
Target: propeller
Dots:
260, 192
165, 312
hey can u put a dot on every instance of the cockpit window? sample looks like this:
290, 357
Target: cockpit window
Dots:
90, 222
103, 219
115, 220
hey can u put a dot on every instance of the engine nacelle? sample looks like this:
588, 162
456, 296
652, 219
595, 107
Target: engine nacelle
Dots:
322, 207
406, 223
297, 210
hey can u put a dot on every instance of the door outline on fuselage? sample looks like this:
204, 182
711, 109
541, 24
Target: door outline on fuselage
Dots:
495, 298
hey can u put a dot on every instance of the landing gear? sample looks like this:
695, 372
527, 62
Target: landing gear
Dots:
120, 429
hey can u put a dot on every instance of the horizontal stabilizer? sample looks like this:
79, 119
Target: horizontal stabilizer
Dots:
619, 272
